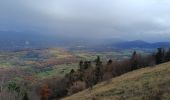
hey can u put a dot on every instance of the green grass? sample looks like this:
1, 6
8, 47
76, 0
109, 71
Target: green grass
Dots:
152, 83
122, 54
58, 70
5, 64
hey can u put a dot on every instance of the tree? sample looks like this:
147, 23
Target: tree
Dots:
72, 71
58, 87
134, 61
12, 86
44, 92
81, 65
87, 64
84, 65
25, 96
167, 56
98, 61
98, 72
76, 87
88, 77
159, 57
71, 76
109, 62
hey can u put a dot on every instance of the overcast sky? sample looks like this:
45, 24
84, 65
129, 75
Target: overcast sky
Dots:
127, 19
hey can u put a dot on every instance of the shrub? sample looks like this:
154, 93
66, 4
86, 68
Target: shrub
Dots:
77, 86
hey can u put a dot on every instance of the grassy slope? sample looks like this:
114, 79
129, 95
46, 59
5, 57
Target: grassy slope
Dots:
151, 83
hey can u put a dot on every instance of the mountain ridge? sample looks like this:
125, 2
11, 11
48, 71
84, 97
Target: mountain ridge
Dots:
141, 44
11, 40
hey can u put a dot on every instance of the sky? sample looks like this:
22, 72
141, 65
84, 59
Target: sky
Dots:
125, 19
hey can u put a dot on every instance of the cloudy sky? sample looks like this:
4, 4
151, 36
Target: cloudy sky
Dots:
126, 19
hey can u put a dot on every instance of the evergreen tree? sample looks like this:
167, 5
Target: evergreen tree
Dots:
167, 56
98, 61
134, 61
72, 71
159, 57
98, 73
25, 96
81, 65
86, 65
71, 76
109, 62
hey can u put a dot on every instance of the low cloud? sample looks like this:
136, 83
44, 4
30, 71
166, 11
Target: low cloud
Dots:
127, 19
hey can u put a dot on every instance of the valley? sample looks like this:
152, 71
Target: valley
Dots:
84, 50
45, 63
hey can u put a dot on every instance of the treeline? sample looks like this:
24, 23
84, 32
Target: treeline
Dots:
91, 73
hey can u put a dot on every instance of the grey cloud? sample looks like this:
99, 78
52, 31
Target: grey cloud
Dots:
133, 19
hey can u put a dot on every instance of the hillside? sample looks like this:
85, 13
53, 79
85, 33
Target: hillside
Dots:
152, 83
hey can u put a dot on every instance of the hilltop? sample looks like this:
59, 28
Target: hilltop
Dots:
151, 83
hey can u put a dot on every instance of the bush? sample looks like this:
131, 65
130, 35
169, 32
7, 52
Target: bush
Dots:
77, 86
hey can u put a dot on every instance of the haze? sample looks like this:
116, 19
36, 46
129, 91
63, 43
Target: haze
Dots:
124, 19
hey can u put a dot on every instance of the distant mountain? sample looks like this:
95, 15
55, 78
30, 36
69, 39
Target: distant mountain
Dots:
141, 44
10, 40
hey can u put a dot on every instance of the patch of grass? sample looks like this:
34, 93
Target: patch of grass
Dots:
58, 70
5, 64
122, 54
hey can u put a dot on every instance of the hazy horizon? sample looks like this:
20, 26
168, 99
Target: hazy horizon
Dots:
122, 19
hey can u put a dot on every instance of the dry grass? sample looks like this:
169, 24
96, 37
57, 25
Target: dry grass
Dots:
152, 83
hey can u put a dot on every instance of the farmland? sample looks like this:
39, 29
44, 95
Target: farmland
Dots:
42, 64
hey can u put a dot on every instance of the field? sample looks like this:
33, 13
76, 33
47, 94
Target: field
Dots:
150, 83
42, 64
